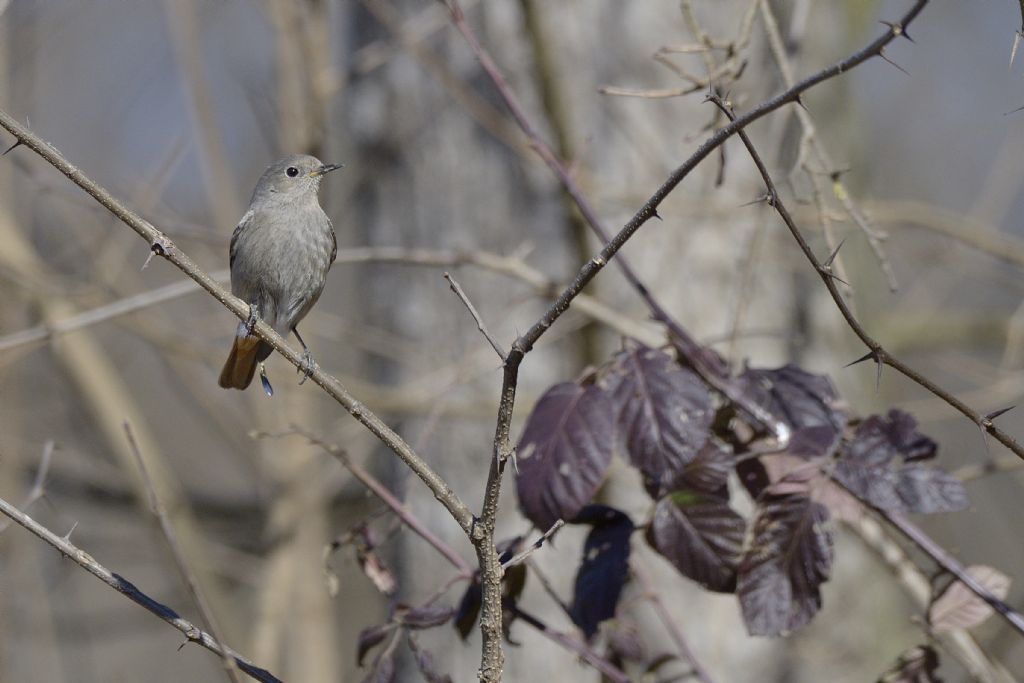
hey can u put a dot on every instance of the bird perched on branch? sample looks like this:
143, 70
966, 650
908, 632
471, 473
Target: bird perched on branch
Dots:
280, 254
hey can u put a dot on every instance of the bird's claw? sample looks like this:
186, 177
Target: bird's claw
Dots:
250, 322
306, 367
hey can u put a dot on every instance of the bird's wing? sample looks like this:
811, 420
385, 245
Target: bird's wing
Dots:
239, 229
334, 242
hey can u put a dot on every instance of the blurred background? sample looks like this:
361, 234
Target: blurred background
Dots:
177, 107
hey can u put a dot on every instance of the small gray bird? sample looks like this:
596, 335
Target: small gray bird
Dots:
280, 254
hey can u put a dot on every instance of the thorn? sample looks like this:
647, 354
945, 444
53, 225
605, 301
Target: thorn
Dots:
800, 101
161, 246
267, 388
16, 144
759, 200
868, 355
655, 214
1016, 43
1013, 111
67, 536
984, 436
881, 53
832, 257
996, 413
828, 273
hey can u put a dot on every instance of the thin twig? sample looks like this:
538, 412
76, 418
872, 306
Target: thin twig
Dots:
157, 507
953, 566
535, 546
455, 287
778, 49
585, 652
164, 247
38, 489
102, 313
652, 595
126, 588
877, 352
940, 556
388, 498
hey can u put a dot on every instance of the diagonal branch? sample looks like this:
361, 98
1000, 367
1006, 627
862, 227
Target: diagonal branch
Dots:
126, 588
157, 506
877, 351
162, 246
933, 550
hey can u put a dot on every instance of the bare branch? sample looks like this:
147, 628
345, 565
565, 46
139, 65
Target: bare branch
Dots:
877, 352
157, 507
940, 556
438, 486
534, 547
654, 597
126, 588
455, 287
38, 489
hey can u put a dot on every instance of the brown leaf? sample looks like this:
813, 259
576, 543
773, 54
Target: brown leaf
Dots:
958, 607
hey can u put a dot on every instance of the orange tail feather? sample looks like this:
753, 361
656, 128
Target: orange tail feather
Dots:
241, 364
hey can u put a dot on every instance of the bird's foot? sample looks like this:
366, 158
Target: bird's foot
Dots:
306, 367
250, 322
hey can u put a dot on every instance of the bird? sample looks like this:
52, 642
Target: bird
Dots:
280, 254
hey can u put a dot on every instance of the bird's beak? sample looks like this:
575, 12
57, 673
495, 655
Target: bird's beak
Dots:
325, 169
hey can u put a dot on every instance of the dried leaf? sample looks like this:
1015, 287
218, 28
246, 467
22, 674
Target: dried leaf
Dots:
917, 665
701, 535
425, 663
807, 403
958, 607
789, 557
564, 452
664, 411
604, 569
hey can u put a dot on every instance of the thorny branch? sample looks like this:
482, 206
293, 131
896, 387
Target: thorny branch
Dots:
126, 588
940, 556
162, 246
483, 534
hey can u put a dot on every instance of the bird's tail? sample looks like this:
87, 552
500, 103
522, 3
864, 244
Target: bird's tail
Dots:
241, 364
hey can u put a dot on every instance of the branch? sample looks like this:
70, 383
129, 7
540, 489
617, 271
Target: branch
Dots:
877, 352
482, 534
126, 588
941, 557
157, 507
455, 287
389, 499
535, 546
162, 246
652, 595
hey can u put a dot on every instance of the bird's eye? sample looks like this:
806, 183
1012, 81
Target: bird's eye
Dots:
292, 171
